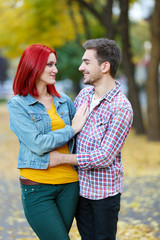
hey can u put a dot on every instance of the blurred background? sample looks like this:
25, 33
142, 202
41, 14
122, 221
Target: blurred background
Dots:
64, 25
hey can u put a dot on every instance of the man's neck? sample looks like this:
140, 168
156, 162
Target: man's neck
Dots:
103, 87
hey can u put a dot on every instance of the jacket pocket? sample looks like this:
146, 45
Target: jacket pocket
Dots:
37, 119
64, 114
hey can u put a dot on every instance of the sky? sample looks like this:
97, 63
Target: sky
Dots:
141, 10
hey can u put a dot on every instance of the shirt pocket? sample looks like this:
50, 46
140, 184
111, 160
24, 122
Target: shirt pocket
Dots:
98, 129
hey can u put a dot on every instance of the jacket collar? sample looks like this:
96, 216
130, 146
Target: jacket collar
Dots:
31, 100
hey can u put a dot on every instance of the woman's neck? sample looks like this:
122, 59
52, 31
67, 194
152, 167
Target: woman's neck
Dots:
42, 90
44, 96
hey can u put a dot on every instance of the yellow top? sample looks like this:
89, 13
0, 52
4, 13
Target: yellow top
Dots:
58, 175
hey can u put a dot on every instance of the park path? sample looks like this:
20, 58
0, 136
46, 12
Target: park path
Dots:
140, 208
140, 205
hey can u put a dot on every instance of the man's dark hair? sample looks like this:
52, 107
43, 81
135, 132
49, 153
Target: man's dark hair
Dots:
107, 51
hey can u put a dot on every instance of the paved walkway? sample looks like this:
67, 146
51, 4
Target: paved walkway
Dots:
140, 205
12, 221
140, 200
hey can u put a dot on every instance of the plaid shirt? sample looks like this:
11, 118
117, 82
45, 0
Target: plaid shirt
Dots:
99, 144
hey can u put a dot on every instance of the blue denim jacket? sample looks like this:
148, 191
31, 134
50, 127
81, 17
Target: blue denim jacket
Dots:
31, 123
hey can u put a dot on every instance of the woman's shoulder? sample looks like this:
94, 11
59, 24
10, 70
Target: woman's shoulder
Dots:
65, 97
21, 100
15, 98
16, 102
67, 100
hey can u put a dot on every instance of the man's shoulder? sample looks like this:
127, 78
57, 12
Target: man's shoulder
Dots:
86, 90
121, 101
64, 97
83, 96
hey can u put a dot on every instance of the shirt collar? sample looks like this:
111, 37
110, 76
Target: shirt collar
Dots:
111, 94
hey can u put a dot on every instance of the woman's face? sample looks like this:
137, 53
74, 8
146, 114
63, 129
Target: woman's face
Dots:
48, 75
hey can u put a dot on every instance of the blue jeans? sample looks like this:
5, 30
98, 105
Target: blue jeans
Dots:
97, 219
50, 209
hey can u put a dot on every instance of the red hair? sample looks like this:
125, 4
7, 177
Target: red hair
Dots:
30, 67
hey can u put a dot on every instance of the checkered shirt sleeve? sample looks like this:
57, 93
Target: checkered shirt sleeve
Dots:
100, 142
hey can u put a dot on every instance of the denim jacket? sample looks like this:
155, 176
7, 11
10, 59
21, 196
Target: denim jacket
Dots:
31, 123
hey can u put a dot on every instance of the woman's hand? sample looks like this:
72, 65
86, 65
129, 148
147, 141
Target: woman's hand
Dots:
80, 118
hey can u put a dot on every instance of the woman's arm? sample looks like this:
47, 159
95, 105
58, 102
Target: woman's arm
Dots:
27, 132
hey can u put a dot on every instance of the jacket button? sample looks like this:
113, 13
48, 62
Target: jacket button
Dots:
61, 113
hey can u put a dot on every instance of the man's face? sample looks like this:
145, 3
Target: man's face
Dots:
90, 67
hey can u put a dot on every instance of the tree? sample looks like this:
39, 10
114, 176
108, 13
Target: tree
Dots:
27, 22
68, 60
4, 64
128, 66
152, 81
103, 12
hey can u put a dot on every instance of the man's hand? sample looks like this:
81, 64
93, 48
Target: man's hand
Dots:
54, 159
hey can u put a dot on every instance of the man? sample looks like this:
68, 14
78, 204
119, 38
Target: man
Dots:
99, 144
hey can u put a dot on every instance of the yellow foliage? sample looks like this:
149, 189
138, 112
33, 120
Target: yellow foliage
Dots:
27, 22
141, 157
135, 232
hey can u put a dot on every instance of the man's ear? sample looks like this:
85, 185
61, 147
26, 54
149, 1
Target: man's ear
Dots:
105, 67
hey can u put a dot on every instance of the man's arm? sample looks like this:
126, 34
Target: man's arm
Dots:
110, 146
104, 154
56, 158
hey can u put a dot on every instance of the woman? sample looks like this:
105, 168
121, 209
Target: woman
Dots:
43, 120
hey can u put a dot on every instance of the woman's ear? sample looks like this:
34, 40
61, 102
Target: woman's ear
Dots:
105, 66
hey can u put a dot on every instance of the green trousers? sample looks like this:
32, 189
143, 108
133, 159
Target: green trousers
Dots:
50, 209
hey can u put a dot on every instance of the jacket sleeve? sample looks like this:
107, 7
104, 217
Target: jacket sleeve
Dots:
22, 125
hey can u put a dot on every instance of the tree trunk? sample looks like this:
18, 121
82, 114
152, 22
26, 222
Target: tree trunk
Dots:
105, 18
71, 13
128, 67
152, 81
85, 24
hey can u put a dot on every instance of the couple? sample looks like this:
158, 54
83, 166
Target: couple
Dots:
57, 183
